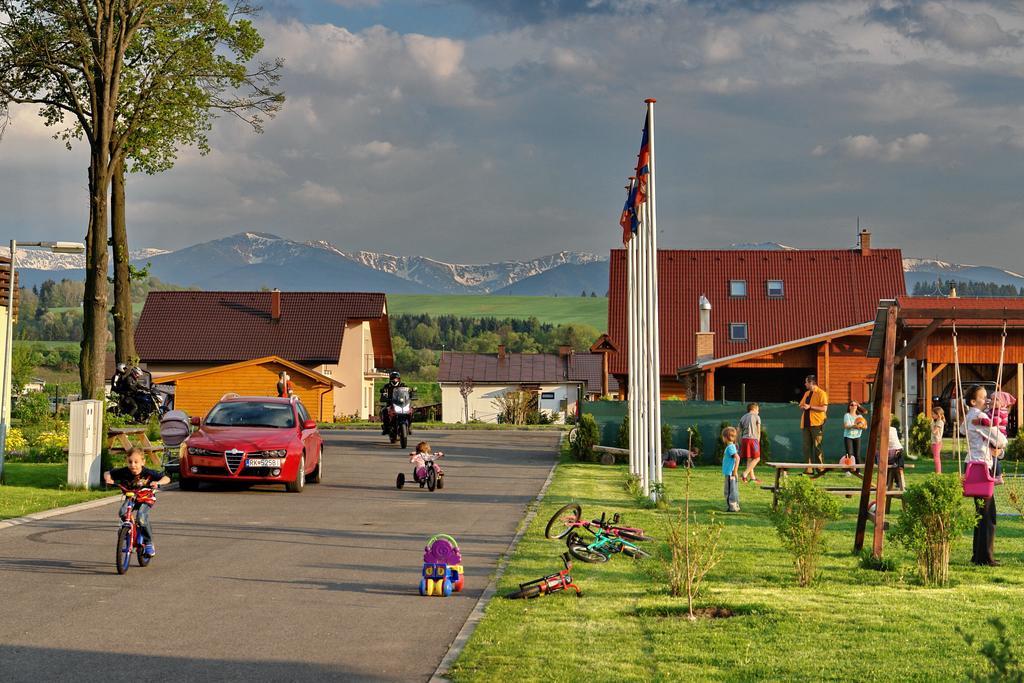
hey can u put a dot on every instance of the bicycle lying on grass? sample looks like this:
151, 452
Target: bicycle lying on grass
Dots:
609, 537
546, 585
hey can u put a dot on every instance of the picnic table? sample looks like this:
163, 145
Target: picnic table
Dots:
119, 440
821, 469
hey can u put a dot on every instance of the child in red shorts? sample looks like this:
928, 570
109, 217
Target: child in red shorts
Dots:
750, 441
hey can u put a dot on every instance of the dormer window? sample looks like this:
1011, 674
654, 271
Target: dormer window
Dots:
776, 289
738, 288
738, 332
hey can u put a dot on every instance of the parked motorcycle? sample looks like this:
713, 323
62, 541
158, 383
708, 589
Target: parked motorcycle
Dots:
399, 410
134, 395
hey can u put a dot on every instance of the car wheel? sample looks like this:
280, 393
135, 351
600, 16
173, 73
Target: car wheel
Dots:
318, 473
300, 478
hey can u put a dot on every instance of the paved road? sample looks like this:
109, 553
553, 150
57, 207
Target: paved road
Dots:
258, 584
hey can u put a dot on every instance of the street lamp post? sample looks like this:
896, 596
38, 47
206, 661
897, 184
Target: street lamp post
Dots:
5, 378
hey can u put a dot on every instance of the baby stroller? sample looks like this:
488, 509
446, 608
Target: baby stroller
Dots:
442, 567
175, 427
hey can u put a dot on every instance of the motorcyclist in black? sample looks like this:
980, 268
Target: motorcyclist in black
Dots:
124, 383
394, 381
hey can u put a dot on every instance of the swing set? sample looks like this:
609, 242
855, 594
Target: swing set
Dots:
891, 326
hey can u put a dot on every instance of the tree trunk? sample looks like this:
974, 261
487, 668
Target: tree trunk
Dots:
124, 344
91, 369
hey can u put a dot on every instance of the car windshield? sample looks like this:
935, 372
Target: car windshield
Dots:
251, 414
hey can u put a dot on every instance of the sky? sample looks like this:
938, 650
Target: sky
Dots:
484, 130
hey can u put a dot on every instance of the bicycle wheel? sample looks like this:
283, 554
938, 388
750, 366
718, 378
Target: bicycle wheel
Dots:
143, 558
563, 521
431, 478
630, 536
574, 436
583, 553
124, 549
635, 553
525, 593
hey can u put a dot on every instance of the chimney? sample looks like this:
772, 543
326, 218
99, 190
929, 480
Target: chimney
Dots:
564, 351
705, 338
864, 238
501, 352
275, 305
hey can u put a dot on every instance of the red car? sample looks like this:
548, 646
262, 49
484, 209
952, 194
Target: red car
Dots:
254, 440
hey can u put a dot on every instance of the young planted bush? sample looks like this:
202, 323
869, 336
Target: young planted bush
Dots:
719, 446
666, 437
934, 516
623, 439
800, 519
589, 436
920, 434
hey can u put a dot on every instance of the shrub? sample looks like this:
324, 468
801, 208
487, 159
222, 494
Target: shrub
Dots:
1015, 448
934, 516
31, 408
920, 434
801, 516
693, 551
16, 441
766, 444
623, 439
589, 435
694, 439
666, 437
51, 443
1003, 664
1015, 491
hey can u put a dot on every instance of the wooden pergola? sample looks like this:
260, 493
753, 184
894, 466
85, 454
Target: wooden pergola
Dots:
907, 326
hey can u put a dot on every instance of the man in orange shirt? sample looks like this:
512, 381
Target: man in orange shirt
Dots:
814, 405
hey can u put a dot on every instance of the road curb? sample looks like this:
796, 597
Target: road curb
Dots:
68, 509
455, 649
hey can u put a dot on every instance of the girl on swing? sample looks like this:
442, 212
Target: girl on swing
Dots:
985, 443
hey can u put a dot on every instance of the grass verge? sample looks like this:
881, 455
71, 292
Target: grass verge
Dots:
854, 624
33, 487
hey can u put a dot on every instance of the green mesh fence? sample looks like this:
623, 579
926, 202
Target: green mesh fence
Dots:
781, 420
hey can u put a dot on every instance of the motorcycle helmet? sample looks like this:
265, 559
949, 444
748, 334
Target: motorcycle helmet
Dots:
395, 376
121, 367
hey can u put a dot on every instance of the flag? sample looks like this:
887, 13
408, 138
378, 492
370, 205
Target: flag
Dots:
628, 220
643, 166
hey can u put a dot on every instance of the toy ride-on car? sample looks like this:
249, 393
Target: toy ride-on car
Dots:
442, 567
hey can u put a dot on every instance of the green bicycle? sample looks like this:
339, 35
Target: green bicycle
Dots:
608, 539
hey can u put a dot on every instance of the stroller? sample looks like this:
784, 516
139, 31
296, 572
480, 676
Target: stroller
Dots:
175, 427
442, 567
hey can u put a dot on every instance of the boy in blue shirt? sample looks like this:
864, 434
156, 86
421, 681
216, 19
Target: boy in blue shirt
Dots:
730, 469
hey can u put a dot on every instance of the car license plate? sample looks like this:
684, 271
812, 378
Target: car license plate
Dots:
263, 462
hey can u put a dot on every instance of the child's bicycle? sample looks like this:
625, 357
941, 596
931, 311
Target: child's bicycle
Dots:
609, 537
128, 534
428, 474
548, 584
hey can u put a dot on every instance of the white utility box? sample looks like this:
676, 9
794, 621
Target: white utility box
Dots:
85, 444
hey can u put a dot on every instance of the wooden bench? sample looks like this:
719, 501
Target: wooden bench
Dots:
119, 441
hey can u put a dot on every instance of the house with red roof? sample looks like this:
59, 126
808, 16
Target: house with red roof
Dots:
344, 336
754, 323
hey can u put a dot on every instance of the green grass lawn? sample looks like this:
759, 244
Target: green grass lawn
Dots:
32, 487
549, 309
853, 625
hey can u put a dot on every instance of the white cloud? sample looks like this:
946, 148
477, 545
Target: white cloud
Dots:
871, 148
318, 195
722, 46
375, 149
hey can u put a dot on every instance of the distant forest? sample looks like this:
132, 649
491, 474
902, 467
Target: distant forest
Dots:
969, 289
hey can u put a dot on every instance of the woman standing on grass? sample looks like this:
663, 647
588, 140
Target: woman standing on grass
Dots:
938, 427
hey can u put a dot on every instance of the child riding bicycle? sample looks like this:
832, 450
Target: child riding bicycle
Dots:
135, 477
422, 454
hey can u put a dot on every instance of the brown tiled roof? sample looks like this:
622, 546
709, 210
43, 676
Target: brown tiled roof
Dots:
587, 367
825, 290
190, 326
515, 368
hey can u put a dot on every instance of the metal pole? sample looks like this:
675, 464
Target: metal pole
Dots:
634, 368
5, 394
655, 342
643, 415
906, 400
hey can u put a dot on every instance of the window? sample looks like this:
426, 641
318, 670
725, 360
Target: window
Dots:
737, 332
775, 288
737, 287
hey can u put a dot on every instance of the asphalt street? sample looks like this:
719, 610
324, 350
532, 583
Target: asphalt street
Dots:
260, 585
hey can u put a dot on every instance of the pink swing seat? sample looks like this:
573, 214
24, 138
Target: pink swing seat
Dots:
978, 480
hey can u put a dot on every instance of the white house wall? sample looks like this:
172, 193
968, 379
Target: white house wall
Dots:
481, 401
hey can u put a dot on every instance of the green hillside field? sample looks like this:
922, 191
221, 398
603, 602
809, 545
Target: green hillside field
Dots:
556, 310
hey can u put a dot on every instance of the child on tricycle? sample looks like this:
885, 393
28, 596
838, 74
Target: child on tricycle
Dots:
425, 470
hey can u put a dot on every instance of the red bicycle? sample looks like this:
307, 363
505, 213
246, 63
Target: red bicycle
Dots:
128, 534
547, 584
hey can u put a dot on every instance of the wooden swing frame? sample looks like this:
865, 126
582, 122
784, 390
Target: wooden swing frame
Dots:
887, 324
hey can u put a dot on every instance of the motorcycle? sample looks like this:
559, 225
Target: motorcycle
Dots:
136, 397
399, 412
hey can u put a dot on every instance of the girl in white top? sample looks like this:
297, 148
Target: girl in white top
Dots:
984, 440
938, 427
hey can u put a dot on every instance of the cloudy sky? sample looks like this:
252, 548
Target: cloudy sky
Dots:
482, 130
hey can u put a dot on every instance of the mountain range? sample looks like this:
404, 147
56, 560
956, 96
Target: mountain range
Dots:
251, 260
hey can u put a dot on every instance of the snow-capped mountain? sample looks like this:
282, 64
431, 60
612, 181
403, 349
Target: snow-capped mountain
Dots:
933, 270
761, 246
40, 259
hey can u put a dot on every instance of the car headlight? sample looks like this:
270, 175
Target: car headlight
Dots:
280, 453
200, 451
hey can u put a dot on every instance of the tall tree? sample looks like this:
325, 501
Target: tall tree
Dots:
197, 58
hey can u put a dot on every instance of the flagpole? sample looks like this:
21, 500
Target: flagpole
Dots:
655, 343
632, 347
643, 415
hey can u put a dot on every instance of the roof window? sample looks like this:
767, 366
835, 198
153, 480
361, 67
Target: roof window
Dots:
737, 288
738, 332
